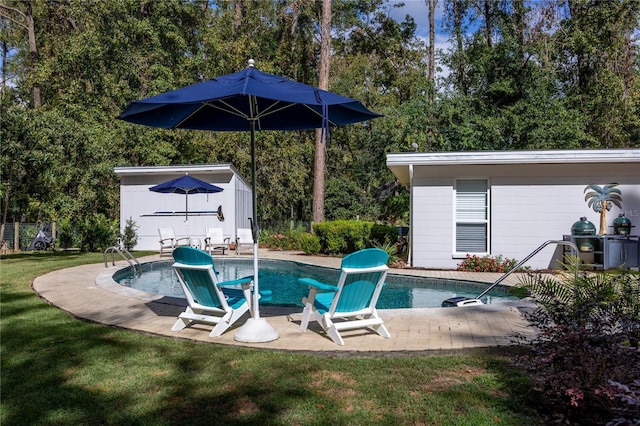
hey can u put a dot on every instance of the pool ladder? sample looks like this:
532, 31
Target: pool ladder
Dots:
124, 253
573, 247
464, 301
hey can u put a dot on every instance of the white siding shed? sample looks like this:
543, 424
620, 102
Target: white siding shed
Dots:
152, 210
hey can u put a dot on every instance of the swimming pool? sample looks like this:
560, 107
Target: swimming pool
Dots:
281, 277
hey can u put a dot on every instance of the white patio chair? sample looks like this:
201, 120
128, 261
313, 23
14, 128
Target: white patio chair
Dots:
244, 239
215, 241
169, 241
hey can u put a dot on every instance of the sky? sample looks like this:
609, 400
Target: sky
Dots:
419, 11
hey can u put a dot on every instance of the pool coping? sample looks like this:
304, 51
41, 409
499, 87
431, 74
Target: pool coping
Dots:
106, 281
88, 292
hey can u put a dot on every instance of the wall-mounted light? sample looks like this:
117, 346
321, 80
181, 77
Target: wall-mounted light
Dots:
415, 146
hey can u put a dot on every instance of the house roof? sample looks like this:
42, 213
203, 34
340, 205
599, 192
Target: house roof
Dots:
179, 169
401, 163
194, 168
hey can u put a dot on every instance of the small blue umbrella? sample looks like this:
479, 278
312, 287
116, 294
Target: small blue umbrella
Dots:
186, 185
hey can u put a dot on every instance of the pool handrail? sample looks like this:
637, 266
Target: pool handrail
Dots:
122, 251
572, 245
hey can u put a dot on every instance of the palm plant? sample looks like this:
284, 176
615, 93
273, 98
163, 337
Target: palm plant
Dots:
600, 199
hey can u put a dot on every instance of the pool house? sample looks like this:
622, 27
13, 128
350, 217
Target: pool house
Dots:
508, 203
229, 209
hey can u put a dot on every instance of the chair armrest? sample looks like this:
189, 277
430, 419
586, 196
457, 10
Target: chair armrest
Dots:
265, 295
182, 238
317, 284
242, 280
166, 239
227, 240
206, 240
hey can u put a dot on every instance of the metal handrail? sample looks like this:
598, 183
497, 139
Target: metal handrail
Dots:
122, 252
573, 246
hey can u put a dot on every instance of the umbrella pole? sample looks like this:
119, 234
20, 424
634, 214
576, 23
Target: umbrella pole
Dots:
256, 329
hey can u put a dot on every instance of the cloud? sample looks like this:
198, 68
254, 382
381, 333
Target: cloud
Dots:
419, 11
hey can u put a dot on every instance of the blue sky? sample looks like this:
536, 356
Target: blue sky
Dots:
419, 11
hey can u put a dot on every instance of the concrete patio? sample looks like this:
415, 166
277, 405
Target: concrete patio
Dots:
88, 292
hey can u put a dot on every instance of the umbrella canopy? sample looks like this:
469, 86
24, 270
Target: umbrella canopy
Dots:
248, 100
186, 185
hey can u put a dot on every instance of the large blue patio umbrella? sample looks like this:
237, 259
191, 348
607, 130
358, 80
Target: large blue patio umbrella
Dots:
186, 185
248, 100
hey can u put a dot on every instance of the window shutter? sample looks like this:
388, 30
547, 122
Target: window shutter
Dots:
471, 238
472, 212
471, 200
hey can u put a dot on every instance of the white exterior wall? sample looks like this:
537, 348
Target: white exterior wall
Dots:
140, 204
244, 203
529, 204
431, 225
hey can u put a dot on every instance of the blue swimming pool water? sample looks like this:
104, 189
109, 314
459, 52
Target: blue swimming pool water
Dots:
281, 277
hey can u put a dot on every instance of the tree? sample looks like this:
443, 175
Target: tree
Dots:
24, 20
432, 45
597, 54
319, 163
600, 199
456, 10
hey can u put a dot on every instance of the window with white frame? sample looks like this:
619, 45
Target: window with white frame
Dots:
472, 216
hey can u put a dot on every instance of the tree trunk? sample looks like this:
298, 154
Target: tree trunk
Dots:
432, 46
26, 22
603, 219
239, 12
488, 17
33, 53
323, 83
457, 25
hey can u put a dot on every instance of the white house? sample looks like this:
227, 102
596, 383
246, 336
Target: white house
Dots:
152, 210
508, 202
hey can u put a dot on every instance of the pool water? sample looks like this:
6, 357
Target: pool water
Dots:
281, 277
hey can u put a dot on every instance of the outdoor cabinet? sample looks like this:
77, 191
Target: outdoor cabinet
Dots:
609, 251
621, 251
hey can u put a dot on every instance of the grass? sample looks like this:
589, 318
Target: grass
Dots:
56, 369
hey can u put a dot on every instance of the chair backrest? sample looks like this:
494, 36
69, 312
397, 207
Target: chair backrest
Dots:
361, 279
166, 233
196, 272
215, 234
244, 236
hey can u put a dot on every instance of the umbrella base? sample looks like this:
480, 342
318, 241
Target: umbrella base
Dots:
256, 330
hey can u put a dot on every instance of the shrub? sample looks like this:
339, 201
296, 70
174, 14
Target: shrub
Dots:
381, 234
342, 236
98, 232
486, 264
280, 240
586, 354
27, 233
309, 243
129, 234
275, 241
67, 235
391, 250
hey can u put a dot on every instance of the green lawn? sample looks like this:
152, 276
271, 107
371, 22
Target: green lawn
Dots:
57, 369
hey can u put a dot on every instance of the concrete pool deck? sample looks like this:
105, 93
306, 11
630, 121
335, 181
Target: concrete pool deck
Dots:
88, 292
